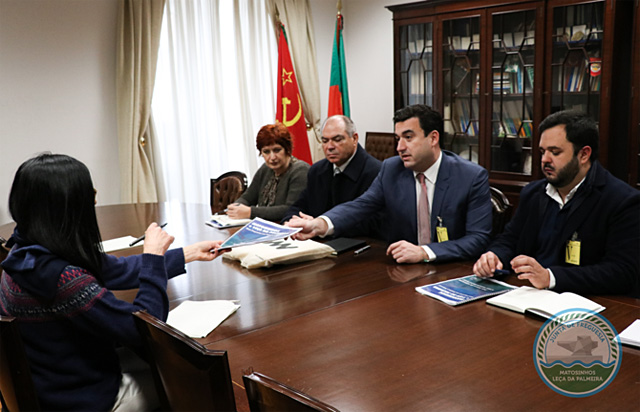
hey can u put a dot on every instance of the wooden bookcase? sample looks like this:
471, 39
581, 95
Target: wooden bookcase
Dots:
495, 69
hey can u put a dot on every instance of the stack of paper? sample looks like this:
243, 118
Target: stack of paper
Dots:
198, 318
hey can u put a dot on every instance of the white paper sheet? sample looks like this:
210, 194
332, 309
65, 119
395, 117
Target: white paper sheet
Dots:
119, 243
198, 318
631, 335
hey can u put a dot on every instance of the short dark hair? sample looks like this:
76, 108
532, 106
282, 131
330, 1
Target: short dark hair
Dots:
429, 119
580, 128
52, 201
275, 134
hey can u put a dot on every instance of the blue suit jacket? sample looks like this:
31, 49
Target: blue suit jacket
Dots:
605, 215
461, 199
320, 195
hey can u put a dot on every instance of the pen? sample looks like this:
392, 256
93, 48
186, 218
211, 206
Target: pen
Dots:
141, 238
362, 249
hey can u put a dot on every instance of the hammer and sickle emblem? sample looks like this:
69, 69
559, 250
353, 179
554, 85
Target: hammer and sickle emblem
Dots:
285, 103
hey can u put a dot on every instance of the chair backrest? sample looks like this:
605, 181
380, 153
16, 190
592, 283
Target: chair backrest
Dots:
3, 250
188, 376
226, 189
16, 386
380, 145
266, 394
502, 210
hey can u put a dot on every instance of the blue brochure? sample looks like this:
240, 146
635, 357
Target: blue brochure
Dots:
465, 289
258, 231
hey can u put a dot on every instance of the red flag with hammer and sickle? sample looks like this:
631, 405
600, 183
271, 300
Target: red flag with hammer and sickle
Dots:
289, 105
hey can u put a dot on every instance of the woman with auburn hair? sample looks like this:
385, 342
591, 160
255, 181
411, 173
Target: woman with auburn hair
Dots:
57, 283
279, 181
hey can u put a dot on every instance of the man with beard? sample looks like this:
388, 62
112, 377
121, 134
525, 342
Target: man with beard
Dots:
577, 230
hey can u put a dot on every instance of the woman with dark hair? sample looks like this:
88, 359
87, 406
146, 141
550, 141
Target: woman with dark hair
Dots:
57, 283
279, 181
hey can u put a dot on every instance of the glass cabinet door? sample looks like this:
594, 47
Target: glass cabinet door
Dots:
512, 71
416, 64
576, 58
461, 86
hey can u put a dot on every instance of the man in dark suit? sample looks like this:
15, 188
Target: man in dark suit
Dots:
577, 230
346, 172
438, 205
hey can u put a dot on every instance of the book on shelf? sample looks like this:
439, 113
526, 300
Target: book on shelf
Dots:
463, 290
544, 303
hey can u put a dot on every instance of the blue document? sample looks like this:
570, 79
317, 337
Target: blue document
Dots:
258, 231
465, 289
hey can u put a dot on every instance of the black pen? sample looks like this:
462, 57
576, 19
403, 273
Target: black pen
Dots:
362, 249
141, 238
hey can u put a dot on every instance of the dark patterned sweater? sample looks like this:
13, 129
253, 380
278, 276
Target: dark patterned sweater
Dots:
71, 325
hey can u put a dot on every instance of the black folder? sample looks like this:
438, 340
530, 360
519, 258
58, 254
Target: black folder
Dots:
344, 244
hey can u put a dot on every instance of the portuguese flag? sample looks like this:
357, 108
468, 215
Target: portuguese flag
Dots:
289, 106
338, 90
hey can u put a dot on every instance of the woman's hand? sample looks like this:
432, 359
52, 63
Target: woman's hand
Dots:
238, 211
203, 251
156, 240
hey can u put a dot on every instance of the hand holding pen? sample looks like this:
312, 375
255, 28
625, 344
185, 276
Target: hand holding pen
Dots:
157, 241
141, 238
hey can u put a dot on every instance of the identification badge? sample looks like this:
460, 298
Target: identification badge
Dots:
441, 231
572, 254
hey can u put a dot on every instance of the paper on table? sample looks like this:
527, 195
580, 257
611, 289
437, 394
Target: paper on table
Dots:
119, 243
631, 335
198, 318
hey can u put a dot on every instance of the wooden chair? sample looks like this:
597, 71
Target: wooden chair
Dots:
16, 386
226, 189
502, 210
380, 145
268, 395
188, 376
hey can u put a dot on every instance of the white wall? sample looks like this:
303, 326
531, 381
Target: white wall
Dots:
57, 80
368, 42
57, 88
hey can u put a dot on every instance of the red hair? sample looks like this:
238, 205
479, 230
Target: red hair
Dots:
275, 134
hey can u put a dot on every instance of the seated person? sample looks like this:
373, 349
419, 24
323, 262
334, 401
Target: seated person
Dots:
576, 230
437, 205
278, 182
345, 173
57, 283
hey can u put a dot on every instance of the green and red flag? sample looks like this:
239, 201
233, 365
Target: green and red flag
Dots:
289, 106
338, 89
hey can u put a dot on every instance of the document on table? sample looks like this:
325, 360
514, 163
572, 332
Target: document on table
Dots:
198, 318
631, 335
119, 243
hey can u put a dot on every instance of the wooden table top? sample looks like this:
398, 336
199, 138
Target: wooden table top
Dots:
353, 332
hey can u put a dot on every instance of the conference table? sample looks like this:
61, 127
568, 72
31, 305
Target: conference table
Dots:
352, 331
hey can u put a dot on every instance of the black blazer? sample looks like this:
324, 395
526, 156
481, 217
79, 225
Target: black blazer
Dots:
606, 218
321, 194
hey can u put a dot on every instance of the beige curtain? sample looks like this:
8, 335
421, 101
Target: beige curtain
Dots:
297, 20
139, 25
